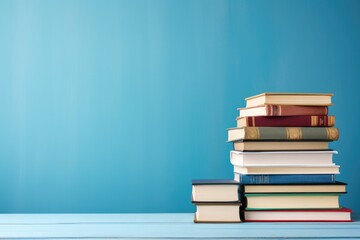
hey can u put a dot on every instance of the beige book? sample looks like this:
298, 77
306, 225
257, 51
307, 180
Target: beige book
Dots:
301, 99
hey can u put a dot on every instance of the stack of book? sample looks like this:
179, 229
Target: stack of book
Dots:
282, 159
216, 200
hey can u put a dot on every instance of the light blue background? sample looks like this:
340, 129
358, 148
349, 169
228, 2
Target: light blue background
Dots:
114, 106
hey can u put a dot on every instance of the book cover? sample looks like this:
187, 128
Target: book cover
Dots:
257, 201
336, 187
215, 191
217, 213
301, 99
291, 121
285, 145
281, 158
283, 133
284, 110
305, 215
284, 178
303, 169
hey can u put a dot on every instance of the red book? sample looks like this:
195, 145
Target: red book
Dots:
283, 110
289, 121
316, 215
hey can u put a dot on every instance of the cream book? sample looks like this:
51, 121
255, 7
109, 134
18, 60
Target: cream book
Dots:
217, 213
280, 145
296, 215
215, 190
292, 201
301, 99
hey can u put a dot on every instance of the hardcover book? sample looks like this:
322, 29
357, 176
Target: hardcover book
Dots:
215, 191
283, 110
331, 169
316, 215
293, 121
301, 99
292, 201
282, 158
337, 187
217, 213
283, 133
284, 178
280, 145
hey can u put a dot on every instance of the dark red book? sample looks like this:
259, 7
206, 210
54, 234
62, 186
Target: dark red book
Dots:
283, 110
287, 121
315, 215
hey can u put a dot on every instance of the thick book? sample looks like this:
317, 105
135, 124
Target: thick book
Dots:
331, 169
293, 121
282, 158
301, 99
214, 190
284, 178
291, 201
337, 187
306, 215
217, 213
283, 110
280, 145
283, 133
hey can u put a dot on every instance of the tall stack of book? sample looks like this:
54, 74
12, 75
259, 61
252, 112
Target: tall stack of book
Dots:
282, 159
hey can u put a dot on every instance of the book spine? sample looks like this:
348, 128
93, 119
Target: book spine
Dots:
291, 133
291, 110
290, 121
285, 178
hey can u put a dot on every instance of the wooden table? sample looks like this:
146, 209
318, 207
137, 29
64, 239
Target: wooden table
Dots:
161, 226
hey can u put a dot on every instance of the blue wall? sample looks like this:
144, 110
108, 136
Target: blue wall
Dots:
114, 106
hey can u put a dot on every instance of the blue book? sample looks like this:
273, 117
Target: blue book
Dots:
284, 178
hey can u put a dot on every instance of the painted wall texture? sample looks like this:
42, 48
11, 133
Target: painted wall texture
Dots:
115, 106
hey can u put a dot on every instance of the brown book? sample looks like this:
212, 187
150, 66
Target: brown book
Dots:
283, 110
290, 121
300, 99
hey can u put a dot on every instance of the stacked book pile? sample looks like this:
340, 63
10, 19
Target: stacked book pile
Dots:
282, 159
283, 167
216, 200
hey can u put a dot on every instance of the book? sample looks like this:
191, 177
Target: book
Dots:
337, 187
301, 99
279, 145
283, 133
284, 178
331, 169
217, 213
282, 158
292, 121
316, 215
215, 191
283, 110
291, 201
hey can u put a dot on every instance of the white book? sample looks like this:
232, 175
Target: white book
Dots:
282, 158
303, 169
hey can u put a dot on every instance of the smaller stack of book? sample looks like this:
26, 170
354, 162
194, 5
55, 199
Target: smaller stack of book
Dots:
282, 160
216, 201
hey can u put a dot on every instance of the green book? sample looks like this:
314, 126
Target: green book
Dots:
283, 133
